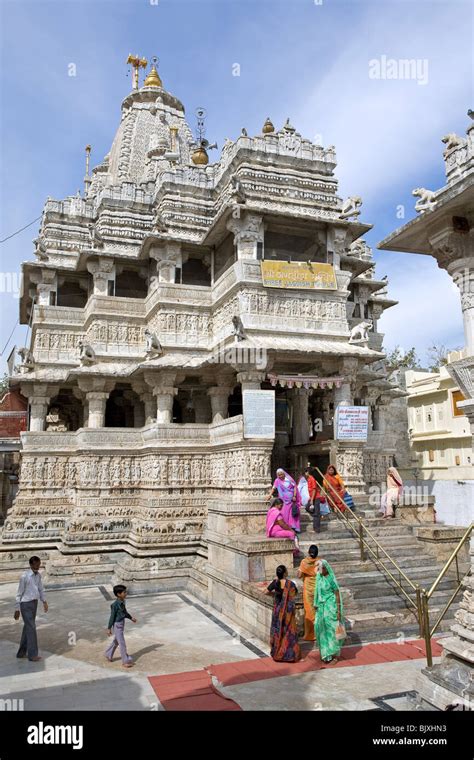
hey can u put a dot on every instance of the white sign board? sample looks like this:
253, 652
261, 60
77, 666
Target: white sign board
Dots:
259, 414
352, 423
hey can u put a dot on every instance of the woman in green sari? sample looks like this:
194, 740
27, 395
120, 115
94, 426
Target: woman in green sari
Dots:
329, 613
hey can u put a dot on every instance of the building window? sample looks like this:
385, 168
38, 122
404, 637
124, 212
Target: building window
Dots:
457, 459
431, 455
456, 398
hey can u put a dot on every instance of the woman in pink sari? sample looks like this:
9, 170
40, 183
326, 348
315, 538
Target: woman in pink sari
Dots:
291, 498
277, 527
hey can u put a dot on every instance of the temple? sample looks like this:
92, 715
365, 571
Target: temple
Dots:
156, 299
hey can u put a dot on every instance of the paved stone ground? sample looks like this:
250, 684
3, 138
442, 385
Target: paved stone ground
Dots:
174, 634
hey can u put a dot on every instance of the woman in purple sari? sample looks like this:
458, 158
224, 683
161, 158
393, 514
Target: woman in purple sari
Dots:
291, 498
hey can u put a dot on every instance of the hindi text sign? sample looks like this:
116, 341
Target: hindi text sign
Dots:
259, 414
296, 274
352, 423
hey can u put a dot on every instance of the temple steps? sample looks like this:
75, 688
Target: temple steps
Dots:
375, 608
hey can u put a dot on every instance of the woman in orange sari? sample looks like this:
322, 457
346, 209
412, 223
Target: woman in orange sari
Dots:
334, 486
308, 571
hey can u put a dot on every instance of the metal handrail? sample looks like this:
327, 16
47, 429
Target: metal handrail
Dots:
363, 543
450, 561
424, 596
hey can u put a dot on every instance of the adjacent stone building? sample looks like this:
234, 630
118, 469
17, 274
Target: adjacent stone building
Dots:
444, 229
150, 318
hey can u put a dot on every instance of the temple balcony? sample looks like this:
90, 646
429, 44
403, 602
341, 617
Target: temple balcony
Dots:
167, 436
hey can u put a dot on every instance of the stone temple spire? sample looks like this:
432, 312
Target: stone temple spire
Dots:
152, 137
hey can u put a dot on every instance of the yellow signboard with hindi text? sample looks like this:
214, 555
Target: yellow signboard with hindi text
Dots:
295, 274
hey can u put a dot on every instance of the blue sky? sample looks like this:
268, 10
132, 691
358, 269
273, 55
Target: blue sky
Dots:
297, 58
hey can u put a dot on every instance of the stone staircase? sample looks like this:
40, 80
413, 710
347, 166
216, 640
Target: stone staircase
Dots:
374, 607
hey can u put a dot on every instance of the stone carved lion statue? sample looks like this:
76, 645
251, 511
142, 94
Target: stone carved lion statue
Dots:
426, 202
359, 333
351, 207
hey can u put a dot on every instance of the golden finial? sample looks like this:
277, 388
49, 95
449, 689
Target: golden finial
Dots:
268, 126
153, 78
136, 64
200, 157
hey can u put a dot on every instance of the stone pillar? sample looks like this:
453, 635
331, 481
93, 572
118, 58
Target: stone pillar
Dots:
462, 272
38, 409
46, 284
350, 466
219, 396
376, 313
97, 401
168, 259
162, 384
39, 397
248, 231
148, 415
454, 252
96, 391
250, 379
300, 427
102, 271
202, 411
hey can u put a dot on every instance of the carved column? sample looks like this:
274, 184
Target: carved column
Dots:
97, 401
46, 284
343, 396
162, 384
248, 232
149, 403
102, 271
349, 462
39, 397
96, 391
250, 379
168, 259
300, 427
202, 411
219, 396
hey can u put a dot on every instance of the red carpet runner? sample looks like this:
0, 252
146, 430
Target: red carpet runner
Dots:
194, 690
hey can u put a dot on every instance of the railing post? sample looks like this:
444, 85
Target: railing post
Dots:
361, 542
419, 607
426, 626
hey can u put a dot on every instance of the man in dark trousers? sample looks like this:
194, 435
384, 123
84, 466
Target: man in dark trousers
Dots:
30, 589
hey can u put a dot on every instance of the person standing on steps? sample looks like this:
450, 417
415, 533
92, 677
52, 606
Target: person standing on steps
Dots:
329, 613
308, 571
284, 645
290, 496
30, 590
311, 498
335, 489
